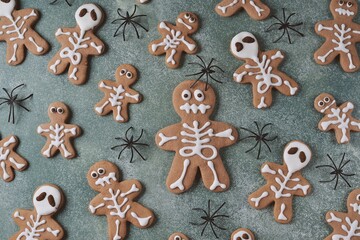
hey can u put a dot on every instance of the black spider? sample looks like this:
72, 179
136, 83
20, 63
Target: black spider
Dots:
285, 25
260, 137
209, 219
12, 100
128, 20
130, 143
338, 171
206, 69
67, 1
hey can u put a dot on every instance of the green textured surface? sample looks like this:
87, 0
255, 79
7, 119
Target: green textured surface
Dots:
293, 117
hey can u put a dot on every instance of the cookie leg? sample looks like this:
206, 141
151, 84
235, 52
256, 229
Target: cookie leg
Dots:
227, 8
355, 125
262, 198
157, 47
181, 176
117, 112
36, 44
256, 9
261, 100
103, 107
78, 74
49, 150
325, 55
17, 162
67, 151
283, 211
215, 176
289, 86
58, 65
342, 135
173, 57
6, 172
15, 53
140, 216
117, 228
350, 61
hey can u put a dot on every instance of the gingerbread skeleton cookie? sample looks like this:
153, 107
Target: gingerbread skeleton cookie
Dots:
175, 39
116, 200
346, 225
341, 35
196, 140
178, 236
77, 44
58, 133
16, 29
242, 234
255, 8
9, 159
337, 118
283, 182
118, 95
39, 223
260, 70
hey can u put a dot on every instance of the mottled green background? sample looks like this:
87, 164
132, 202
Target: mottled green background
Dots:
294, 118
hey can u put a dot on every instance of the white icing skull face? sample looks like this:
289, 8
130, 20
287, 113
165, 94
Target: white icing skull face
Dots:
344, 8
324, 102
354, 201
244, 45
296, 156
102, 174
7, 7
88, 16
47, 200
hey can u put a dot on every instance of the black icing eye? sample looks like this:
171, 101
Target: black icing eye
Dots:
93, 15
293, 150
186, 95
187, 15
129, 75
321, 103
122, 72
239, 46
101, 171
349, 4
326, 99
83, 12
245, 236
248, 40
302, 157
60, 111
94, 174
51, 200
53, 110
177, 238
5, 1
192, 20
41, 197
199, 95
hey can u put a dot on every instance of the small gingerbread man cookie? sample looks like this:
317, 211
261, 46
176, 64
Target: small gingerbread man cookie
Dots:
175, 39
58, 133
178, 236
260, 70
346, 225
9, 159
341, 35
196, 139
77, 44
336, 118
283, 182
255, 8
39, 223
16, 28
118, 95
116, 200
242, 234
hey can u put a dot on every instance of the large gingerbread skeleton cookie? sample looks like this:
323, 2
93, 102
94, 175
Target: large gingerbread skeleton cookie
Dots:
39, 223
255, 8
116, 200
77, 44
346, 225
175, 39
16, 29
260, 70
283, 182
337, 118
341, 35
196, 140
9, 159
58, 132
118, 95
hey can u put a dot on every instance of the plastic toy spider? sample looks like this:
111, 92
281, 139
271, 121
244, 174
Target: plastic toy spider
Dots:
338, 171
130, 143
206, 69
67, 1
285, 26
260, 137
128, 20
13, 101
209, 219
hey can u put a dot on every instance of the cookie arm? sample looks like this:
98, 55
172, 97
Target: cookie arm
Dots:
63, 34
97, 205
224, 134
53, 230
269, 170
130, 189
165, 28
241, 75
256, 9
303, 187
227, 8
169, 138
335, 219
96, 46
133, 96
72, 129
20, 216
324, 28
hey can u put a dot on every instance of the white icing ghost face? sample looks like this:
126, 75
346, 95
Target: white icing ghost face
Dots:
189, 21
354, 201
191, 99
7, 7
242, 234
324, 102
344, 8
47, 200
296, 156
102, 174
127, 72
244, 45
88, 16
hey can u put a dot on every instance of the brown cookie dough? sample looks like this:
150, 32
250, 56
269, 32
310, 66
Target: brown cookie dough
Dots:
242, 234
255, 8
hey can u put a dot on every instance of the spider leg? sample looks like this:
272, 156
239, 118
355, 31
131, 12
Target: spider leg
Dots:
272, 25
282, 35
212, 228
197, 80
121, 152
253, 147
268, 124
283, 11
259, 150
222, 228
217, 67
203, 230
342, 166
133, 12
220, 216
20, 105
53, 1
222, 205
332, 161
132, 154
348, 174
141, 15
12, 91
200, 209
137, 32
293, 29
195, 63
248, 130
112, 148
257, 126
247, 138
337, 181
288, 35
67, 1
140, 25
141, 134
271, 139
139, 154
215, 79
10, 96
288, 18
12, 112
280, 21
118, 20
126, 23
267, 146
118, 29
188, 75
320, 166
202, 60
5, 101
24, 99
342, 160
120, 14
126, 133
198, 224
328, 180
345, 180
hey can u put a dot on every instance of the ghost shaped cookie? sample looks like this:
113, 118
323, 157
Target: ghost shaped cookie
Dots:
77, 44
39, 222
16, 29
242, 234
260, 70
255, 8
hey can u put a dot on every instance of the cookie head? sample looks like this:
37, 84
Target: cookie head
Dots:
88, 16
353, 202
344, 9
126, 73
47, 200
296, 156
190, 99
6, 8
242, 234
103, 174
244, 46
324, 102
188, 21
58, 112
